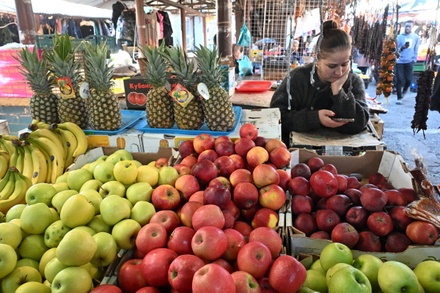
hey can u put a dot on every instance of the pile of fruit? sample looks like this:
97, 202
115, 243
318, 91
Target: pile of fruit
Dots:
366, 216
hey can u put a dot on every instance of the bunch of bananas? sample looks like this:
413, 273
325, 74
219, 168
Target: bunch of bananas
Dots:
13, 187
386, 68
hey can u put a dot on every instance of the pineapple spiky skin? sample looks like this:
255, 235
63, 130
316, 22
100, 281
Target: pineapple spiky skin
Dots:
73, 110
104, 111
218, 108
190, 117
44, 108
159, 107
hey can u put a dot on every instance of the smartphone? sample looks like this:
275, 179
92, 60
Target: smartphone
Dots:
343, 119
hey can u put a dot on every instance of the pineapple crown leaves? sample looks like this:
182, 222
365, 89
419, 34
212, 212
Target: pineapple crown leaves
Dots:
36, 71
157, 68
98, 71
208, 63
181, 66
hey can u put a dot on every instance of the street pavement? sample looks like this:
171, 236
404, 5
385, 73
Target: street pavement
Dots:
400, 137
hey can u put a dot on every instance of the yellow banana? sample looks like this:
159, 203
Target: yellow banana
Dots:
5, 154
28, 163
20, 159
5, 180
39, 165
7, 146
8, 189
18, 195
48, 163
4, 165
70, 143
14, 157
50, 135
81, 137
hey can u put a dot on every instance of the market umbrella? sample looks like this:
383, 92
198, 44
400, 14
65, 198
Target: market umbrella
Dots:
265, 41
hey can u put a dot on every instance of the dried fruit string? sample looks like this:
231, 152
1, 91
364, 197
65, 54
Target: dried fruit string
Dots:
424, 91
386, 68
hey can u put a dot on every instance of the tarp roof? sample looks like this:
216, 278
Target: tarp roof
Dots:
59, 8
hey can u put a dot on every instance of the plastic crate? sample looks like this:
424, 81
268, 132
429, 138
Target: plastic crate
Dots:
419, 67
46, 41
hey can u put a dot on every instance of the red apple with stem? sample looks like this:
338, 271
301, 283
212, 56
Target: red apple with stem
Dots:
203, 141
345, 233
245, 195
380, 223
255, 258
422, 232
165, 197
243, 145
186, 148
287, 274
248, 130
181, 272
208, 215
180, 240
298, 186
130, 278
187, 185
315, 163
155, 266
209, 243
245, 282
151, 236
240, 175
236, 241
368, 241
167, 218
323, 183
268, 237
212, 278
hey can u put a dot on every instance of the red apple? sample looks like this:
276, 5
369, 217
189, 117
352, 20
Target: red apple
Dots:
422, 233
182, 169
395, 198
368, 241
130, 277
255, 258
300, 169
240, 175
320, 204
272, 196
353, 182
315, 163
224, 264
265, 285
151, 236
397, 242
265, 217
208, 215
380, 223
238, 161
373, 199
232, 208
280, 157
243, 227
204, 171
331, 168
236, 241
273, 143
187, 185
376, 178
197, 196
268, 237
229, 219
342, 182
161, 162
204, 141
221, 138
209, 155
357, 216
323, 183
249, 214
225, 165
260, 141
181, 272
284, 178
219, 196
186, 148
167, 218
340, 203
220, 181
345, 233
327, 219
320, 235
106, 288
243, 145
400, 218
409, 194
155, 266
248, 130
165, 197
245, 195
354, 194
189, 161
264, 175
225, 147
180, 240
148, 289
256, 156
212, 278
298, 186
245, 282
209, 243
306, 223
301, 204
287, 274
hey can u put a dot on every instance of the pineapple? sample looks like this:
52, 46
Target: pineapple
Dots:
43, 104
159, 108
103, 105
218, 109
63, 65
191, 116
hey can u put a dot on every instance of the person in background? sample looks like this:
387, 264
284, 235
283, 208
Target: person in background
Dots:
237, 52
362, 63
295, 55
243, 65
408, 45
311, 96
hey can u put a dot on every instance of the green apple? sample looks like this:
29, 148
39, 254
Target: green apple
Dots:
316, 265
35, 218
55, 214
106, 251
41, 192
119, 155
148, 174
97, 273
52, 268
78, 177
19, 276
428, 274
15, 212
125, 232
114, 209
27, 262
54, 233
139, 191
104, 172
34, 287
334, 253
125, 172
95, 163
8, 259
32, 246
86, 166
315, 280
60, 198
62, 177
72, 279
394, 276
98, 224
94, 184
369, 264
76, 248
86, 229
10, 234
168, 175
47, 256
142, 212
349, 279
136, 162
77, 211
333, 269
59, 186
94, 197
304, 289
112, 187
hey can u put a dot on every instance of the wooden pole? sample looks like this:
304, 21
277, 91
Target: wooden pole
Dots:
141, 32
224, 35
26, 21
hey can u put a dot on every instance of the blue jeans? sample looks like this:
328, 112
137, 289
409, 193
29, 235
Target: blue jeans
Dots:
404, 77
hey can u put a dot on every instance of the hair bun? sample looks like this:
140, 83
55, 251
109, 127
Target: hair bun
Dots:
328, 25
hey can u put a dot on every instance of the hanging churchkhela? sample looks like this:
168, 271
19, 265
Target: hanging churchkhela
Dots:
424, 91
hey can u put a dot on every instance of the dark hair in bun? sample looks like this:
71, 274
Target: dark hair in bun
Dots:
332, 39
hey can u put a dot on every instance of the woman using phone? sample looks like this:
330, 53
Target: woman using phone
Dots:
311, 96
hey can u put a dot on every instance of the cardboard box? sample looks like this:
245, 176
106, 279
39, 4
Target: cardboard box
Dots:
129, 139
378, 124
4, 127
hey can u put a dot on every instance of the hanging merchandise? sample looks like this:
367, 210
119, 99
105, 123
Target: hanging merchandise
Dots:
126, 27
245, 66
245, 38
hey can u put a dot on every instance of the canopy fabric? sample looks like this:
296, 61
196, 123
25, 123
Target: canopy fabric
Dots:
64, 8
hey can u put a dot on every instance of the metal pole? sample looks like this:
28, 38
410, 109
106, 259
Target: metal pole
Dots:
224, 36
26, 21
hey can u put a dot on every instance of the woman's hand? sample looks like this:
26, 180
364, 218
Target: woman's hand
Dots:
336, 86
325, 117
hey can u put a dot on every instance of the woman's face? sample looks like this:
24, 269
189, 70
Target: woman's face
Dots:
334, 65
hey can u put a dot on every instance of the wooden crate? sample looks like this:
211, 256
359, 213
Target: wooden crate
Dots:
274, 74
